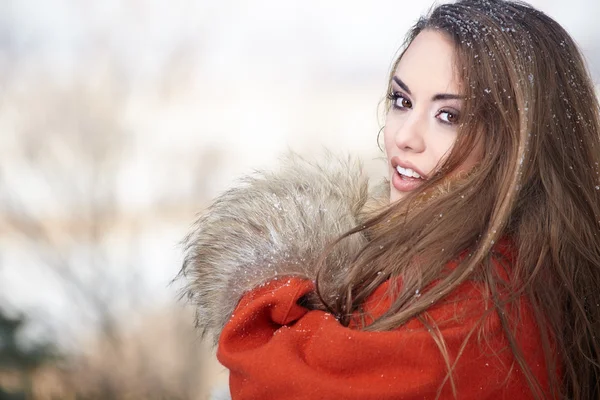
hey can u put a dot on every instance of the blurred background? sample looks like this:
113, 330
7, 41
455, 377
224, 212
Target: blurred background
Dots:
120, 120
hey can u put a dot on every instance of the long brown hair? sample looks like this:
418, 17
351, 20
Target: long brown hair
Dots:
530, 100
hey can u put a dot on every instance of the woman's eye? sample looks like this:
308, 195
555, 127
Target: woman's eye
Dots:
402, 102
448, 117
399, 101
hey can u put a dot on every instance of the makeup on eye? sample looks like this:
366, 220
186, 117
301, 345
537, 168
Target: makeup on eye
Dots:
401, 102
451, 117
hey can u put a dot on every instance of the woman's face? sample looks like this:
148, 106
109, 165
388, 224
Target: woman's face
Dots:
421, 126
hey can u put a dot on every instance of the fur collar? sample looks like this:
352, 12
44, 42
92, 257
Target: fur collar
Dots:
271, 224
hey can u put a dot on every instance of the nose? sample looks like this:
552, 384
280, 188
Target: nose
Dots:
409, 135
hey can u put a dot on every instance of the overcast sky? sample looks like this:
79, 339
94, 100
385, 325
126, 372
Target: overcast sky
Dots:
347, 36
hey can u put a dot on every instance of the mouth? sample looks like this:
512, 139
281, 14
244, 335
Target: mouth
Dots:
408, 172
406, 177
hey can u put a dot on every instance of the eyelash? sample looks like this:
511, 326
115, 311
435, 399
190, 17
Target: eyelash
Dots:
394, 96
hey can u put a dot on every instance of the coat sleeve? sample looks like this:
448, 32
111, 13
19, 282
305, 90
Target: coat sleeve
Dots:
276, 349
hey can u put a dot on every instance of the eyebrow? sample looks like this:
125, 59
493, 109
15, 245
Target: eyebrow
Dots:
437, 97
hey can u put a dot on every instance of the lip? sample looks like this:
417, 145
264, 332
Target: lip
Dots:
405, 184
396, 161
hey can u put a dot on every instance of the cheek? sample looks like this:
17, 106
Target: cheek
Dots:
473, 159
393, 125
388, 137
441, 147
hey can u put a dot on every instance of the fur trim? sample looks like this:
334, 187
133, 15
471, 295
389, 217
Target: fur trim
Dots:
272, 224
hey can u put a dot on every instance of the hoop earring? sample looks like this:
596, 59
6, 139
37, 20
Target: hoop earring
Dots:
378, 135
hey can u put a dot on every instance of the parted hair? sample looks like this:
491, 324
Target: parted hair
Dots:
529, 99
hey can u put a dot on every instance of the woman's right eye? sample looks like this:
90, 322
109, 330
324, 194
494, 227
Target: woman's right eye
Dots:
399, 101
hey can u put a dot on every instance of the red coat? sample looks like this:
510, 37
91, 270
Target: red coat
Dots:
276, 349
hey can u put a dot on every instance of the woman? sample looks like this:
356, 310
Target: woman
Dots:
479, 279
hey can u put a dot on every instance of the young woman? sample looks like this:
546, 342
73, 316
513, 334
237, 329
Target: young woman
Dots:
480, 279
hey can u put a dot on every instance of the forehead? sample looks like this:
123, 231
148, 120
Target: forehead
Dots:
428, 64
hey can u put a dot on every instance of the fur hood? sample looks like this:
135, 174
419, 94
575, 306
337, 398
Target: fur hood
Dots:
272, 224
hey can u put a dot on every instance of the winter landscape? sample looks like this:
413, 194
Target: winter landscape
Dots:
120, 120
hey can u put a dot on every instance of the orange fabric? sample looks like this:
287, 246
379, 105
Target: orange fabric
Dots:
276, 349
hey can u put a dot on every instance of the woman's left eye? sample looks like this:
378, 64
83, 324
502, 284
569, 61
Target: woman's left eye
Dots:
448, 117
